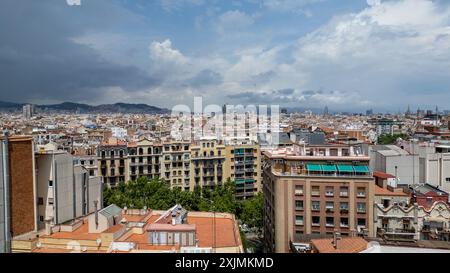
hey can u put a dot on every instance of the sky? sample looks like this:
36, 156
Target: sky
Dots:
348, 55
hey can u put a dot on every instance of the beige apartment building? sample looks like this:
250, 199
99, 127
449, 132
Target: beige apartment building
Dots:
176, 166
183, 164
243, 165
314, 192
207, 168
144, 159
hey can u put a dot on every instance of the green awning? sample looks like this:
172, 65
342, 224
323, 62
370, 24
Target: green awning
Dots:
329, 168
240, 181
345, 168
313, 168
361, 169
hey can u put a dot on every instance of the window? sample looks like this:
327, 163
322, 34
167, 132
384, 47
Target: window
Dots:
50, 201
316, 221
298, 190
315, 205
50, 183
343, 191
344, 222
329, 191
329, 206
361, 222
344, 207
299, 220
361, 207
41, 218
315, 191
330, 221
40, 201
447, 179
361, 192
299, 204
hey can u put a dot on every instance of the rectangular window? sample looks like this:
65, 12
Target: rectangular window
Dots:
315, 205
50, 183
316, 221
329, 191
299, 220
299, 204
362, 222
361, 207
361, 192
315, 191
329, 206
298, 190
344, 207
447, 179
344, 222
40, 201
343, 191
330, 222
41, 218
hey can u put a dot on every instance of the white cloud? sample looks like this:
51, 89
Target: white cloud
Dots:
170, 5
234, 21
164, 53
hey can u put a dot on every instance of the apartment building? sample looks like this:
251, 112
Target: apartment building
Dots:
17, 189
90, 162
144, 159
312, 192
65, 191
243, 165
176, 165
113, 162
183, 164
207, 164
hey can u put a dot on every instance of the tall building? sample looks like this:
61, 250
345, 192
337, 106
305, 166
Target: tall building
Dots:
113, 162
65, 190
207, 168
17, 189
243, 166
144, 159
176, 163
312, 192
28, 111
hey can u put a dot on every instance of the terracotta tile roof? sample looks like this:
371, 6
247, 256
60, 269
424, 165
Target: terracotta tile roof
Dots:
385, 192
382, 175
225, 234
81, 233
347, 245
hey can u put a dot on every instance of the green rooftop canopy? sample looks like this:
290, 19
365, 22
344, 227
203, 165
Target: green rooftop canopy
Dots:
329, 168
313, 168
345, 168
361, 169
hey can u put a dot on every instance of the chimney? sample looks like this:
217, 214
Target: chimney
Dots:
96, 214
337, 240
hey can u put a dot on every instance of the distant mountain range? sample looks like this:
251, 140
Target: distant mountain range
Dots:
70, 107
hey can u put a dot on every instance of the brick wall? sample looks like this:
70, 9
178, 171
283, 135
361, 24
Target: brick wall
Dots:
21, 177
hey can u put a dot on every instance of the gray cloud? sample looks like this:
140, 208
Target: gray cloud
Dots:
40, 61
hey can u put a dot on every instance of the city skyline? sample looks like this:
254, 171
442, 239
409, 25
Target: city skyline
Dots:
317, 53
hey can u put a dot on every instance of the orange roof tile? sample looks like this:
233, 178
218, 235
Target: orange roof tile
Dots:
385, 192
347, 245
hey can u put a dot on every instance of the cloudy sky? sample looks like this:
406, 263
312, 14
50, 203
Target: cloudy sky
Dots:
347, 54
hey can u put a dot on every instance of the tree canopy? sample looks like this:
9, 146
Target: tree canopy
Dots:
157, 194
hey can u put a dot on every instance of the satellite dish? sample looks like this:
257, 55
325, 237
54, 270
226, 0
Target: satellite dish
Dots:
98, 241
38, 244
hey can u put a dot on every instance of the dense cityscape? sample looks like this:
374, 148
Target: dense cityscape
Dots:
127, 183
211, 135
